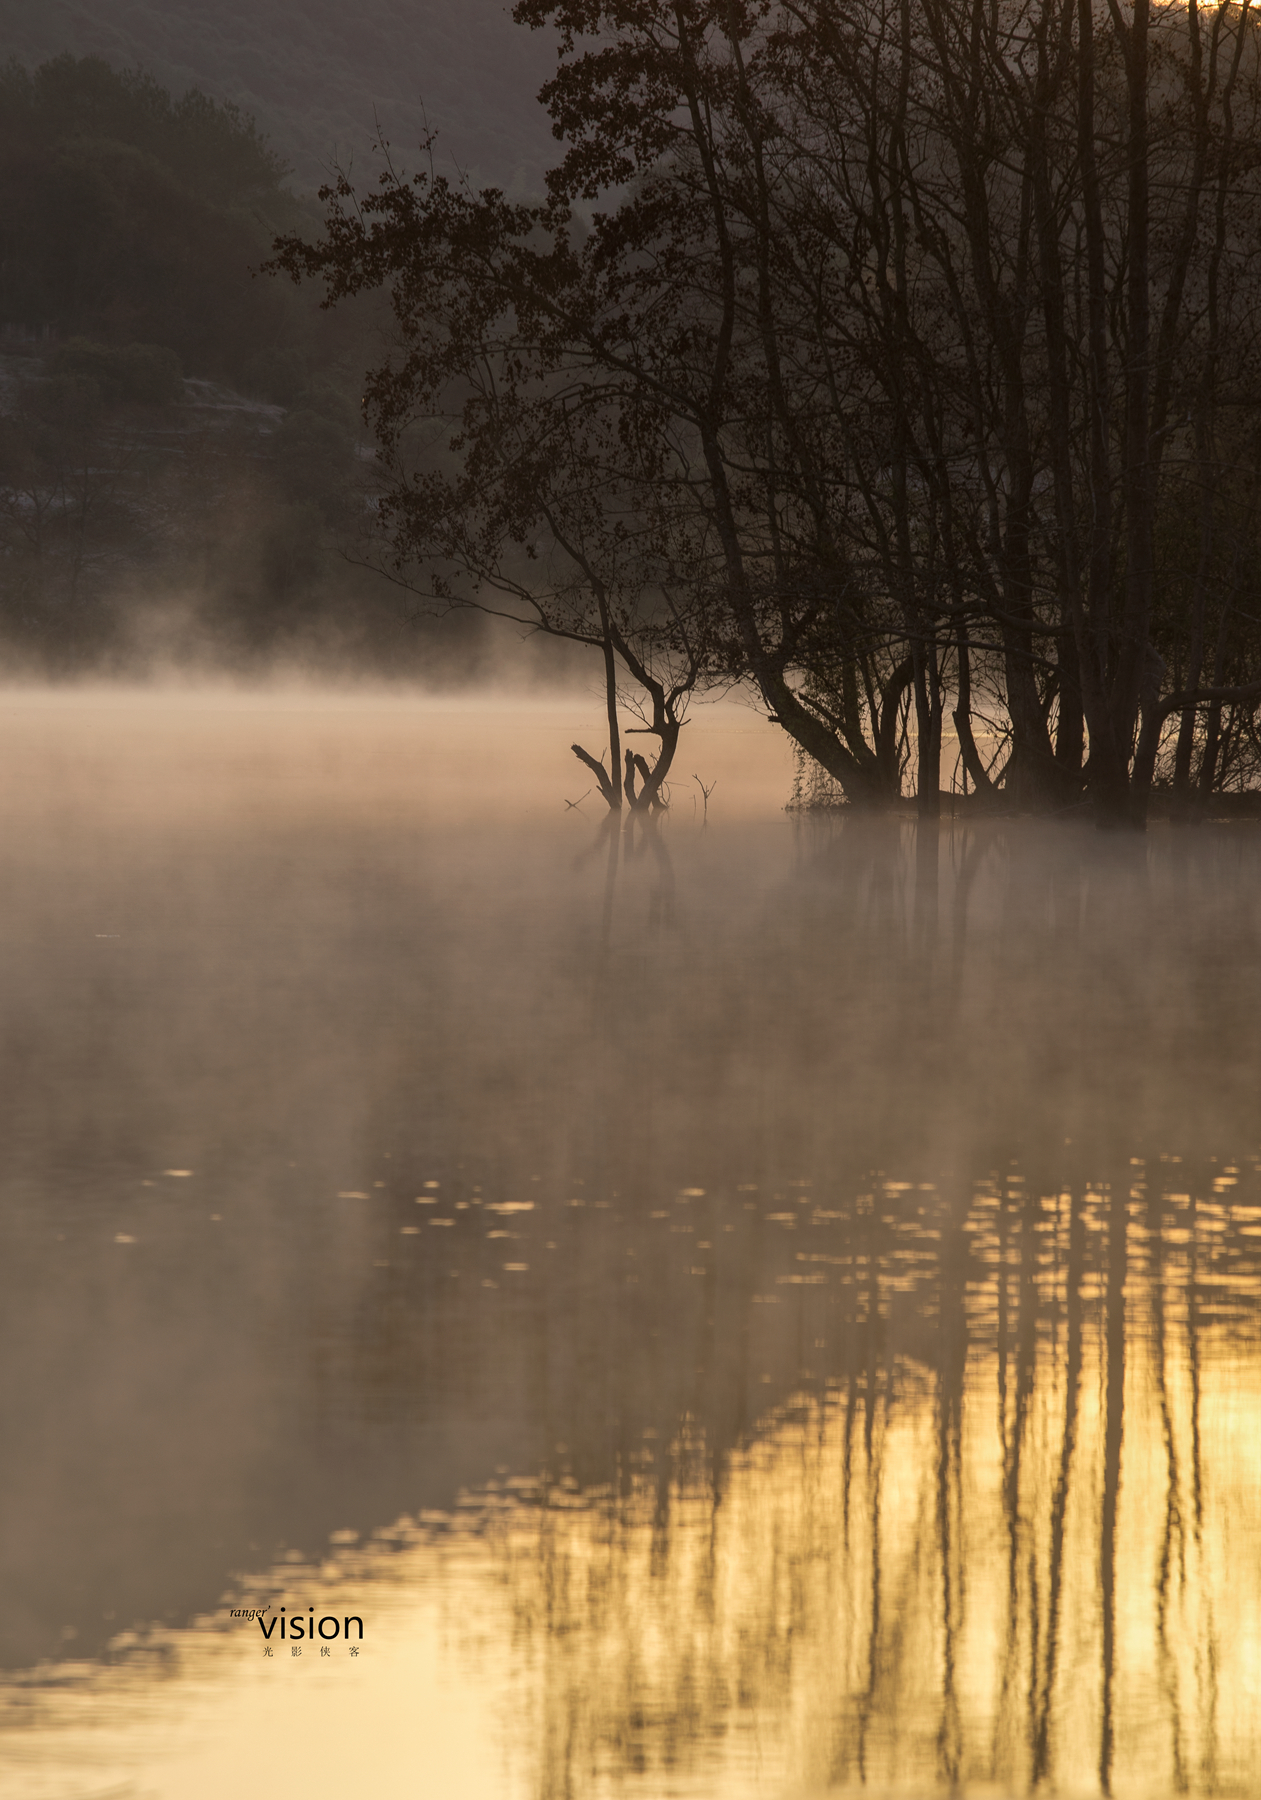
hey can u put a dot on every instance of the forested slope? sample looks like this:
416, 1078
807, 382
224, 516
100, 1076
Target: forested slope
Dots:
127, 216
314, 73
179, 441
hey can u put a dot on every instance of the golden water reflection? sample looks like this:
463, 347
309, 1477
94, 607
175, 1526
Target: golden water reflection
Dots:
1004, 1535
795, 1282
1031, 1559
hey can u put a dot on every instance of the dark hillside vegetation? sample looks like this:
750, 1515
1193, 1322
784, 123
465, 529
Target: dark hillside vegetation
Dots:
317, 75
141, 527
181, 466
127, 216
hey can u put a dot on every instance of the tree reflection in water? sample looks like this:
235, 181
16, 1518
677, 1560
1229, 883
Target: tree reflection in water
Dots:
848, 1258
1001, 1526
1010, 1537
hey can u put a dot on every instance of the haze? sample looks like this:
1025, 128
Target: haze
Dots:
658, 1196
318, 79
386, 1165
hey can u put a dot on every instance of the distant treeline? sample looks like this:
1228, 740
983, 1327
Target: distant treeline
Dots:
321, 77
181, 464
127, 216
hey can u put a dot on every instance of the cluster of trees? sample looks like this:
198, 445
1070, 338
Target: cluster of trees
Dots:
900, 359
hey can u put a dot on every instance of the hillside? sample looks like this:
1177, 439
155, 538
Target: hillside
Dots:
179, 446
314, 73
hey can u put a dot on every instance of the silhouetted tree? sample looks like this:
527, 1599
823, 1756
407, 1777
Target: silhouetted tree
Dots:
900, 338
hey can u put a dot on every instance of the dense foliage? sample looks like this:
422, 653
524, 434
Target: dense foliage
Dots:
319, 76
907, 368
128, 216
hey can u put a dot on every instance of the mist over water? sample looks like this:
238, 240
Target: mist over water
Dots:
756, 1306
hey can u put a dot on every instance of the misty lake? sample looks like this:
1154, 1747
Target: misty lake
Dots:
761, 1307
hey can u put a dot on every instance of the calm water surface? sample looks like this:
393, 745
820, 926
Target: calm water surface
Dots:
759, 1309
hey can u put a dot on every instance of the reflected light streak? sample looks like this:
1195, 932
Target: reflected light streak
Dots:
855, 1602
